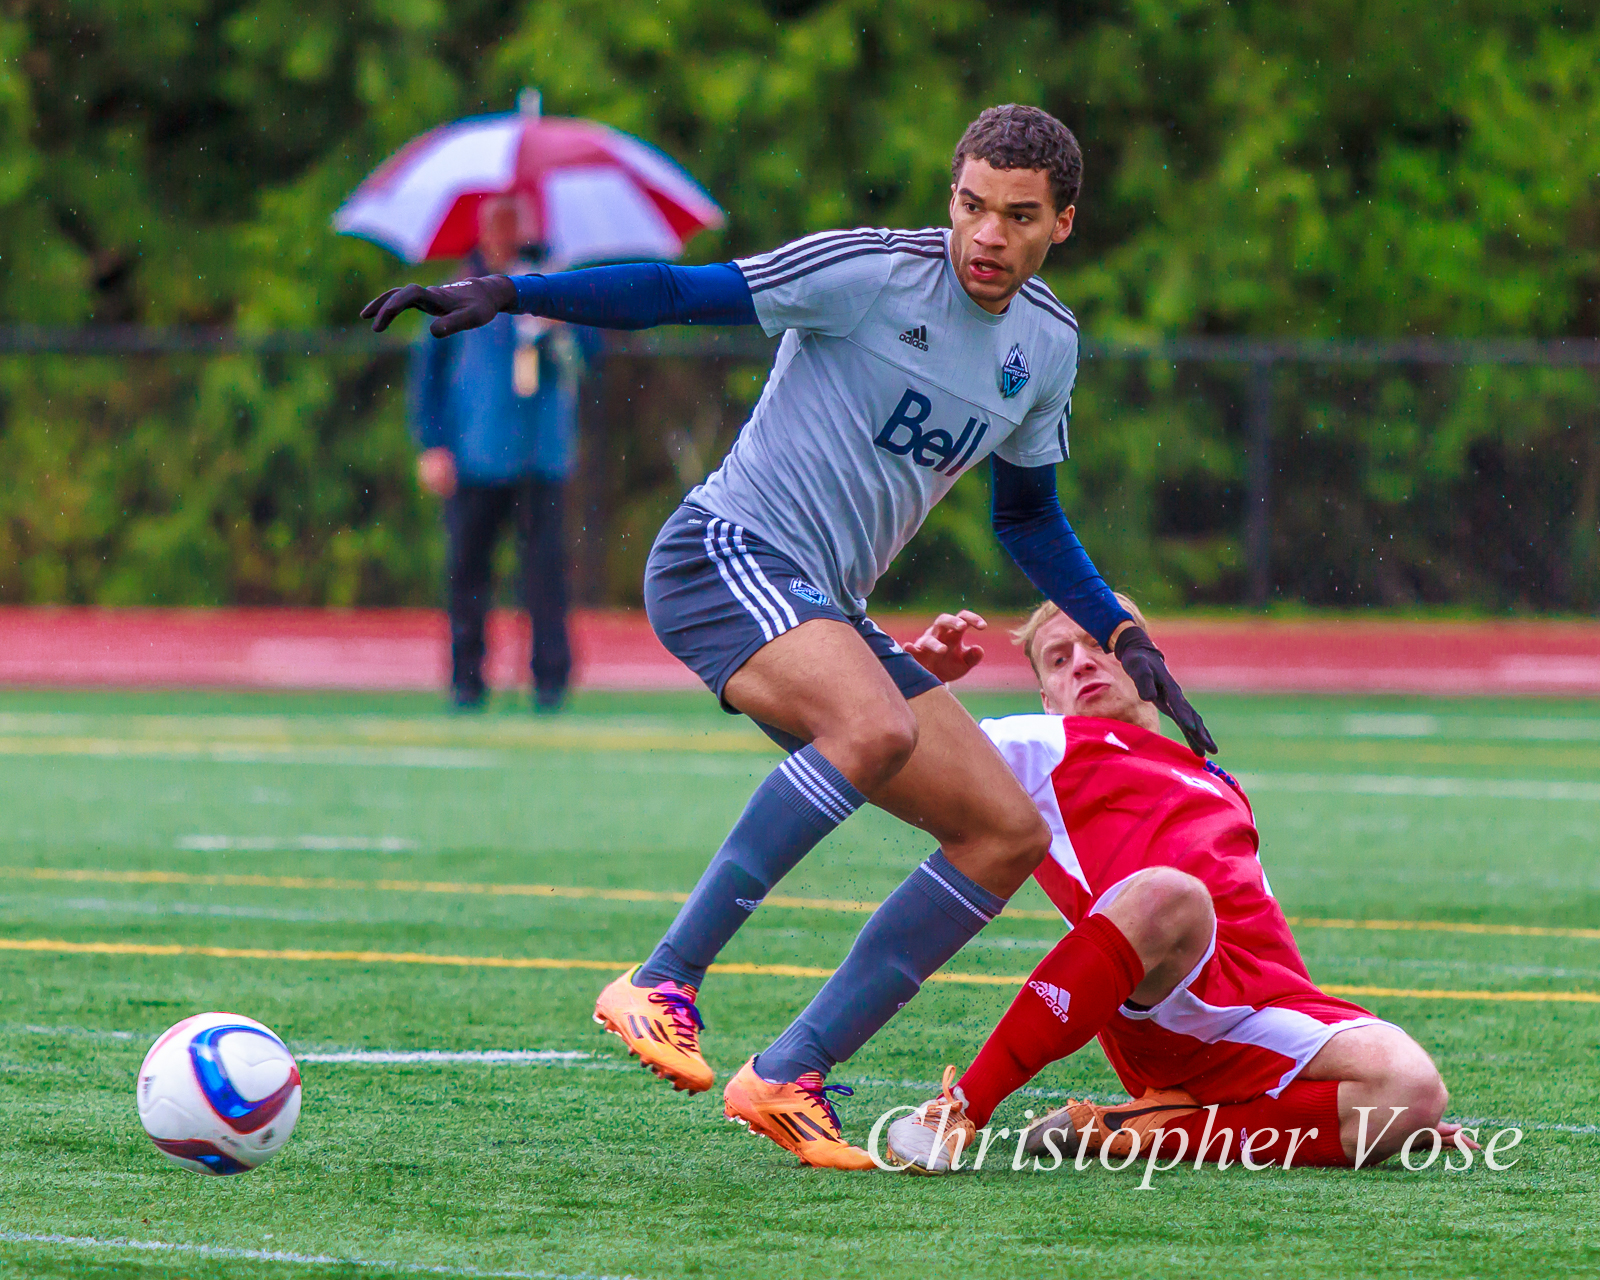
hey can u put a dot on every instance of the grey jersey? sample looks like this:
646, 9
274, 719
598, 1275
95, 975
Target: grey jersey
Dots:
890, 382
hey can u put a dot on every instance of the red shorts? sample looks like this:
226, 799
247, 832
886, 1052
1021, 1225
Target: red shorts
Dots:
1232, 1030
1224, 1054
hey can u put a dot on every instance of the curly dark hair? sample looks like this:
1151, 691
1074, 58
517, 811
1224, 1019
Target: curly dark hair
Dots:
1018, 137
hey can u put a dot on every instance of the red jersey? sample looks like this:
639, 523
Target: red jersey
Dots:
1118, 799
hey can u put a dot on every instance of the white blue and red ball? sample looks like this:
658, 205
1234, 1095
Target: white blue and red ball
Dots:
219, 1093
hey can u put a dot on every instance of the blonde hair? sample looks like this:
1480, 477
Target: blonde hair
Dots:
1029, 630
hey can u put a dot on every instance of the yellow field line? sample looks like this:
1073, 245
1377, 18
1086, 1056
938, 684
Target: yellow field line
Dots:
1410, 993
96, 876
57, 946
1444, 926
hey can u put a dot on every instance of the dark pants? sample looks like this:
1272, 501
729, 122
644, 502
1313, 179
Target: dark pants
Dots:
474, 517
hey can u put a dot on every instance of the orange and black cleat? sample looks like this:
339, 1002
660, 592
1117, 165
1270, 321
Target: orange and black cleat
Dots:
660, 1026
1121, 1128
797, 1116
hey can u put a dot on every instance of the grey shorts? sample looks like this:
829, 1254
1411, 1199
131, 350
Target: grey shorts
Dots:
715, 593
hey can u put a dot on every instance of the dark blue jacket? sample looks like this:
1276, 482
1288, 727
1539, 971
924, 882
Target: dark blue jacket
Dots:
463, 396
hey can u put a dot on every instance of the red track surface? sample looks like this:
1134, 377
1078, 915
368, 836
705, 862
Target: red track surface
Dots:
405, 649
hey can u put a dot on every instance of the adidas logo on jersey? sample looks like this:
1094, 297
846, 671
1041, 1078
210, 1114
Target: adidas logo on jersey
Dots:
917, 337
1052, 995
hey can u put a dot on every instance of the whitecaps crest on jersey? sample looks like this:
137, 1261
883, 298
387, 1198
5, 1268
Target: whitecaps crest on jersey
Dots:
1014, 372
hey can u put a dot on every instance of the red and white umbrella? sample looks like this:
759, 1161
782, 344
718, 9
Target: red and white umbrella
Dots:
593, 194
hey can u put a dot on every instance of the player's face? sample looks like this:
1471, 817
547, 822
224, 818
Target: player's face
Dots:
1003, 222
1079, 678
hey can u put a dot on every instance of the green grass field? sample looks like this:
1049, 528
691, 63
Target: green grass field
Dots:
1398, 810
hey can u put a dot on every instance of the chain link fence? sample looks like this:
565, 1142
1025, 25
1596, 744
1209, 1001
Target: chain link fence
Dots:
208, 467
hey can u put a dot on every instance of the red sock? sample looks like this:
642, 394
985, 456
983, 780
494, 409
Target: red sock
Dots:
1068, 997
1310, 1107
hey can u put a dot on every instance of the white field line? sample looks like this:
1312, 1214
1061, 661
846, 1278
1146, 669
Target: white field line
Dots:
285, 732
313, 844
471, 758
1495, 1121
423, 757
35, 1030
105, 906
408, 757
661, 730
509, 1057
401, 1057
923, 1088
387, 1057
928, 1088
595, 1062
1405, 725
1470, 966
258, 753
278, 1255
1378, 784
1391, 726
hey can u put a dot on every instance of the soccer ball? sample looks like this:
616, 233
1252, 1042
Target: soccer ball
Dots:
219, 1093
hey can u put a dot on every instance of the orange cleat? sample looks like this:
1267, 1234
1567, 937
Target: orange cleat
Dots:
932, 1138
1120, 1128
798, 1117
660, 1026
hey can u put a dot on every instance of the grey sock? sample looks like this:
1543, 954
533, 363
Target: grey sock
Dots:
931, 916
800, 801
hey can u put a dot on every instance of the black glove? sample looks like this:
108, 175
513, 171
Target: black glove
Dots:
1147, 667
463, 304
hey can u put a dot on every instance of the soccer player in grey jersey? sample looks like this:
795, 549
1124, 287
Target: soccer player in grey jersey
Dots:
889, 383
907, 358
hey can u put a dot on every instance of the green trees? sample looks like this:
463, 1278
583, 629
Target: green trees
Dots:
1340, 170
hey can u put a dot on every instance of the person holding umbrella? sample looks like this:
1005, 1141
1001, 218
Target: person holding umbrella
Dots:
495, 412
495, 409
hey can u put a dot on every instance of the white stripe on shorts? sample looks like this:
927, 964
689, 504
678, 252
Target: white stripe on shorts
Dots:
755, 568
738, 593
726, 550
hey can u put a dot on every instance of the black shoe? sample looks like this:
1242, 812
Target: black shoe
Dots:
549, 702
469, 699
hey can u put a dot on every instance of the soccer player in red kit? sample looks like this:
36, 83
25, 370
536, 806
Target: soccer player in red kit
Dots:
1179, 959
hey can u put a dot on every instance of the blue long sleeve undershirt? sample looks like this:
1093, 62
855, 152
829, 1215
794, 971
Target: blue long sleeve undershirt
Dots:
639, 295
1032, 527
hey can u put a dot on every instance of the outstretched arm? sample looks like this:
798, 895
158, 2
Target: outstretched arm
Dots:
634, 296
1031, 525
